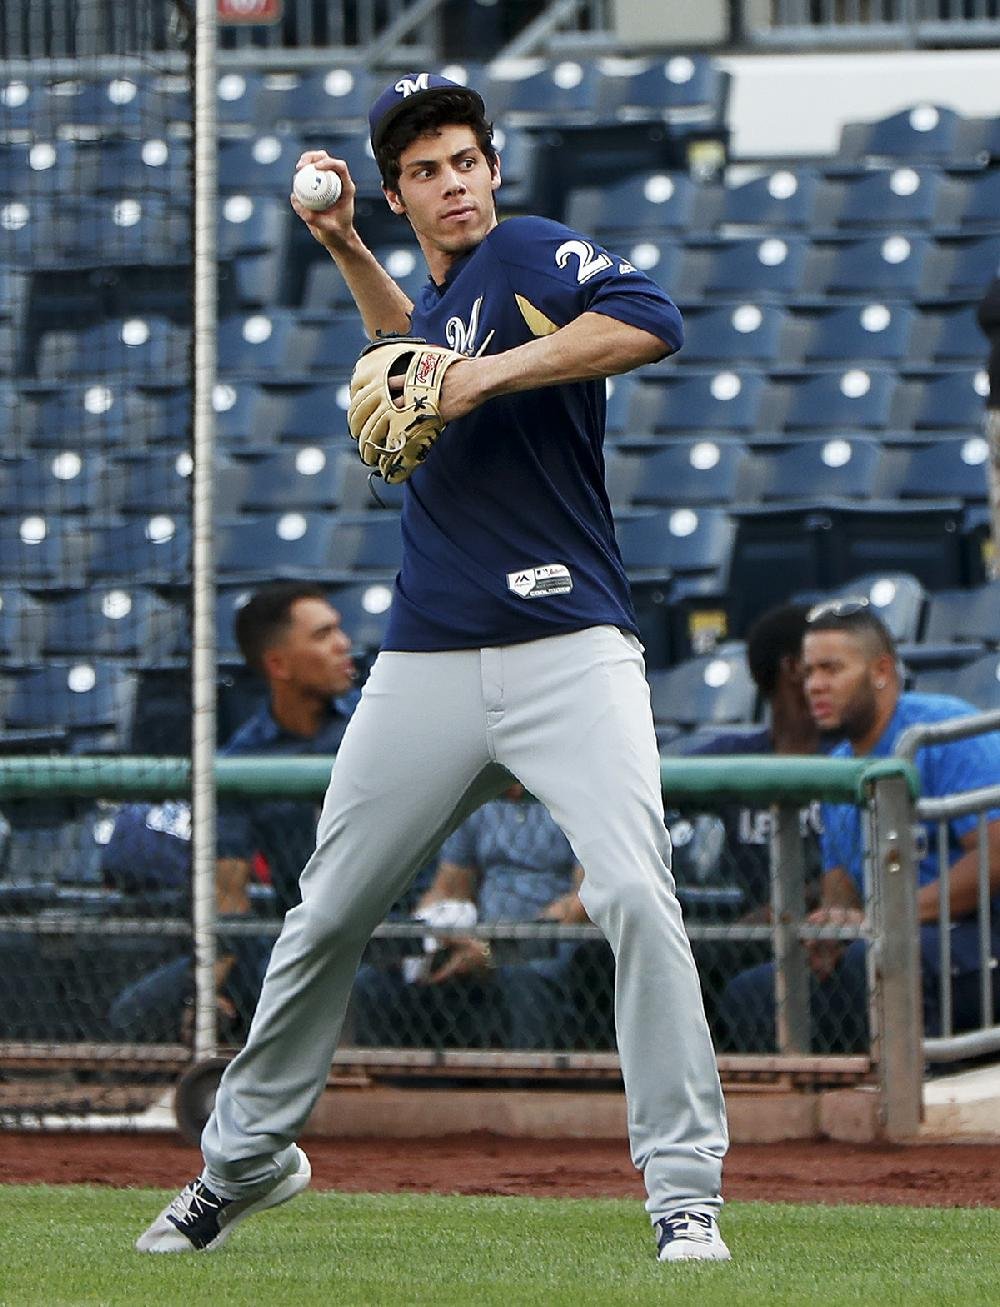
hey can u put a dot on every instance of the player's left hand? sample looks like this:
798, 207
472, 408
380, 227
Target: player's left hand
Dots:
395, 413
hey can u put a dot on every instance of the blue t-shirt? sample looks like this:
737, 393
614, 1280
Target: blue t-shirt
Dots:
523, 858
943, 769
507, 529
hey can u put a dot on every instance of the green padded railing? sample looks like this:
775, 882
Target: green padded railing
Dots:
752, 778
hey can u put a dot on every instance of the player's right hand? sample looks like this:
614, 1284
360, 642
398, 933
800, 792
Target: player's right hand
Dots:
334, 225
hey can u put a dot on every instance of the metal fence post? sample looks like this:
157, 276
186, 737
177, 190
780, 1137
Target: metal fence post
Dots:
788, 906
895, 958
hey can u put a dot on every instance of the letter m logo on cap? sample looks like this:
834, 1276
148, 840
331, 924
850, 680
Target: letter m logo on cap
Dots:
410, 85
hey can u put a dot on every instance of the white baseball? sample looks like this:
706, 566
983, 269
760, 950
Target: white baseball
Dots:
315, 188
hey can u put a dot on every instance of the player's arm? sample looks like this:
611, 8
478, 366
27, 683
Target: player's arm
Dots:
383, 306
451, 881
592, 346
568, 908
963, 877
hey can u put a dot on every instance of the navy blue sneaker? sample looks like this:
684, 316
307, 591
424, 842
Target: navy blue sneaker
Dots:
688, 1237
200, 1221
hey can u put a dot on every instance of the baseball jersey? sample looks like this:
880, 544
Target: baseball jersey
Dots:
943, 769
507, 529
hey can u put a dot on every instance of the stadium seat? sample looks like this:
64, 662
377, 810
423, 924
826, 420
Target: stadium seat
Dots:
873, 268
149, 349
676, 545
541, 93
922, 133
955, 336
522, 157
858, 398
897, 598
683, 472
145, 551
681, 89
967, 617
771, 269
59, 482
956, 399
724, 401
22, 621
67, 851
290, 546
903, 198
128, 623
981, 202
364, 613
814, 471
977, 681
650, 203
316, 99
261, 345
734, 334
971, 263
335, 345
92, 700
252, 224
317, 413
20, 105
157, 166
248, 416
38, 169
707, 690
867, 333
660, 259
160, 481
304, 477
44, 552
367, 546
259, 165
957, 468
238, 96
777, 203
101, 107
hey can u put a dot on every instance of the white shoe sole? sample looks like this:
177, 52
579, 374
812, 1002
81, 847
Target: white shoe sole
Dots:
164, 1237
683, 1250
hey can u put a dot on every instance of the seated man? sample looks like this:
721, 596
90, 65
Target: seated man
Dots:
853, 687
512, 862
289, 633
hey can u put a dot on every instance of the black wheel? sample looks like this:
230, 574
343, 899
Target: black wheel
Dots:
194, 1096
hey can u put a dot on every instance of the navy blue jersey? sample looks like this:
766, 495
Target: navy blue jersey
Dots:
507, 528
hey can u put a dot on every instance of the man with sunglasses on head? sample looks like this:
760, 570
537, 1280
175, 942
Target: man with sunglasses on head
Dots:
853, 688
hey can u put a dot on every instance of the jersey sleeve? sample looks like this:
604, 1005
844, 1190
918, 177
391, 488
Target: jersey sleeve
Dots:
556, 274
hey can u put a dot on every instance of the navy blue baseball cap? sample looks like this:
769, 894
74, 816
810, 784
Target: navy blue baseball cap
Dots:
411, 89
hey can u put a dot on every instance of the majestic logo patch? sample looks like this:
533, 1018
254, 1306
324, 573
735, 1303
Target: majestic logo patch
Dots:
539, 582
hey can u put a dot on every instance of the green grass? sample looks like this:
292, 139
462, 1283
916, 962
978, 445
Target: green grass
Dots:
69, 1245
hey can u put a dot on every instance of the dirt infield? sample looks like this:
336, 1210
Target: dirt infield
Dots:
961, 1175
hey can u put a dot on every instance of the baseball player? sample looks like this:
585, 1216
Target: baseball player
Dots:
511, 648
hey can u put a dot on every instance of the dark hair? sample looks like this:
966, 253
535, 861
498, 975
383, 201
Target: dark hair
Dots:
267, 614
857, 618
445, 109
774, 636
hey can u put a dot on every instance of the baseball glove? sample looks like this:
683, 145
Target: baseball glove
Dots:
396, 432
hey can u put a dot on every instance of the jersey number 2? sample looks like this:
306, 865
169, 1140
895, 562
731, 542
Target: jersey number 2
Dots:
591, 263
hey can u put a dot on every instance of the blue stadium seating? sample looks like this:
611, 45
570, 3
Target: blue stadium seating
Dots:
902, 198
304, 477
160, 481
769, 268
649, 203
956, 399
286, 546
22, 618
897, 598
955, 336
364, 613
536, 92
238, 94
708, 690
44, 552
683, 472
682, 546
977, 681
973, 262
59, 483
885, 267
857, 398
735, 334
866, 333
780, 202
682, 89
319, 98
367, 546
259, 165
956, 468
814, 471
91, 700
128, 623
724, 401
964, 618
153, 551
53, 851
141, 349
923, 133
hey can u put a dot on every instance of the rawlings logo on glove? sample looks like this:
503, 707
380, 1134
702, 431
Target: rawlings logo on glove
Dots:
395, 431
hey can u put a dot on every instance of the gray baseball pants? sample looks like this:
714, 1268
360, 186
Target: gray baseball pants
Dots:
569, 716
